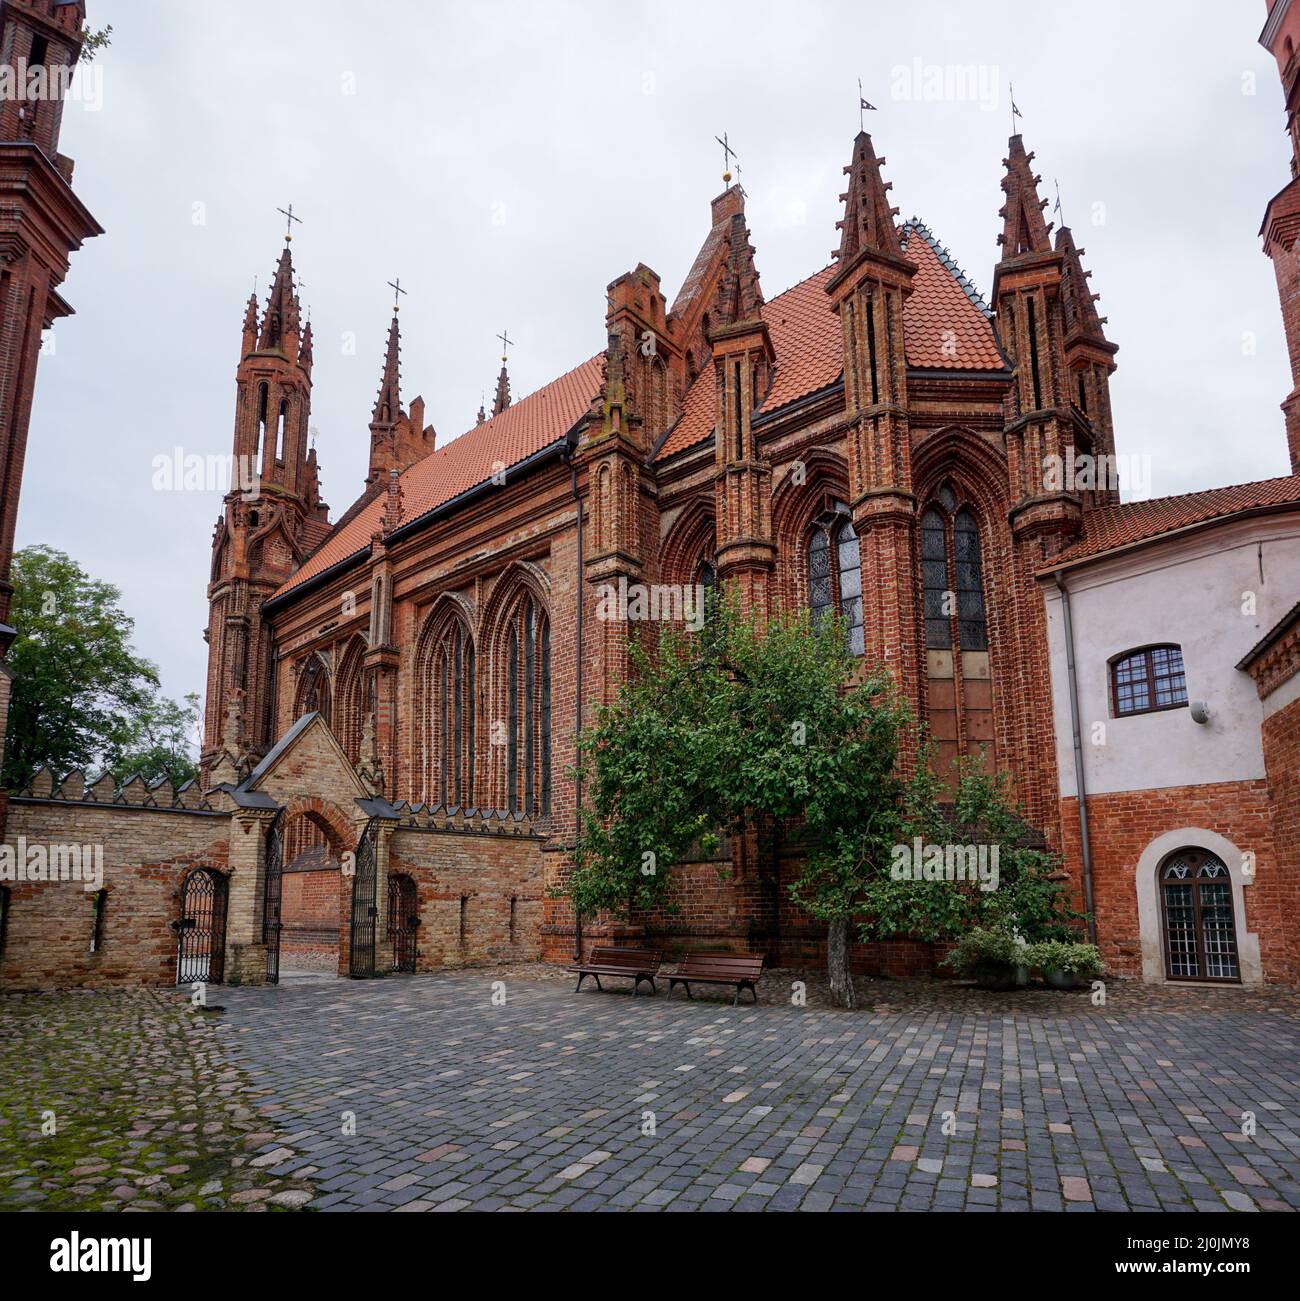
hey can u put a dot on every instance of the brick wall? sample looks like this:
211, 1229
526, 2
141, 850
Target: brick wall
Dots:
309, 911
147, 853
1121, 827
479, 895
1281, 735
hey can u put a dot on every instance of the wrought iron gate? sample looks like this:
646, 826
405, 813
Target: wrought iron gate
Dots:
365, 903
271, 901
201, 930
403, 920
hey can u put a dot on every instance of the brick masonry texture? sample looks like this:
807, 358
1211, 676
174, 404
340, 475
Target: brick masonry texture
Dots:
147, 854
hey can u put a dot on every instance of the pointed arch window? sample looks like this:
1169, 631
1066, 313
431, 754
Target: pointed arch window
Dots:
528, 711
835, 573
314, 695
449, 742
952, 575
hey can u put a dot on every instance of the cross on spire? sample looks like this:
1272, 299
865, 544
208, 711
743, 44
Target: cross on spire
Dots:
396, 286
506, 341
289, 219
728, 153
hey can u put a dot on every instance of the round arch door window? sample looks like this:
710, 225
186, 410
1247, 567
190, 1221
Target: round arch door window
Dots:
1200, 928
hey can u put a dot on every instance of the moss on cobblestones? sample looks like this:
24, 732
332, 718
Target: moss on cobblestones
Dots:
147, 1112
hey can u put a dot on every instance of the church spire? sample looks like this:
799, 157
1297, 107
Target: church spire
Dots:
388, 402
502, 399
868, 218
250, 324
1023, 228
282, 310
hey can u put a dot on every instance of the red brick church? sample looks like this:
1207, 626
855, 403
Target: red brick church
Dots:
875, 441
394, 694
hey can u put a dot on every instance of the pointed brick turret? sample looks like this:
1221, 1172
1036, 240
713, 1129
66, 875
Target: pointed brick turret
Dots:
502, 399
1078, 299
868, 221
388, 402
304, 349
869, 290
1089, 357
398, 439
281, 316
250, 325
1023, 228
272, 512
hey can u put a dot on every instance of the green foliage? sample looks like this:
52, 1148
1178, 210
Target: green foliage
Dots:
1060, 955
81, 696
162, 742
983, 811
737, 723
93, 42
980, 950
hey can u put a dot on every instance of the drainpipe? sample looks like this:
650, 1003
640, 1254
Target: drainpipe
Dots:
1079, 789
577, 706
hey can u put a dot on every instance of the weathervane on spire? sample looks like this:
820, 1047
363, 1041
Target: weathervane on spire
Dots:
863, 108
728, 153
289, 219
396, 286
1057, 208
506, 341
1015, 112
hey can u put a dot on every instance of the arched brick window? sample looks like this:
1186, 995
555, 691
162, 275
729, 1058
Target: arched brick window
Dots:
834, 562
446, 686
959, 679
314, 695
527, 674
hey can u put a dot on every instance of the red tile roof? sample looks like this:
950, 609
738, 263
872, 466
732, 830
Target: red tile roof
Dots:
523, 428
809, 356
810, 348
1112, 527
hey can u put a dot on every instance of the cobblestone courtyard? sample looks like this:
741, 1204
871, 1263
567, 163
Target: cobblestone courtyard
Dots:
929, 1097
422, 1093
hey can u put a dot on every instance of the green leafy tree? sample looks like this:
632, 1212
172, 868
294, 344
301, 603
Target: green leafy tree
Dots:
92, 42
81, 695
162, 743
1031, 898
731, 729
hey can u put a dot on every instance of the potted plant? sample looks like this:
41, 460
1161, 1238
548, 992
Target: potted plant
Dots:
1065, 965
990, 958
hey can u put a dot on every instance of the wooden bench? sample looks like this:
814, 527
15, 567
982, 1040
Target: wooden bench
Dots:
739, 969
639, 964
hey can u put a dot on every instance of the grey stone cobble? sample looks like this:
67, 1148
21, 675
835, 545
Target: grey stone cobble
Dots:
593, 1101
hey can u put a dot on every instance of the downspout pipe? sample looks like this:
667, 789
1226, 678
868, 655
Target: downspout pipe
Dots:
1080, 791
577, 703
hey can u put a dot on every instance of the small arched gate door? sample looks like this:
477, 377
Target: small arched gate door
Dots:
403, 920
201, 929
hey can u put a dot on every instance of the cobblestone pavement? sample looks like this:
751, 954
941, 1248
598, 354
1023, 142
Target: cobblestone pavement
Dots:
420, 1094
124, 1100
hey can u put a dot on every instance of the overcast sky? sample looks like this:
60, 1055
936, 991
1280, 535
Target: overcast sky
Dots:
509, 160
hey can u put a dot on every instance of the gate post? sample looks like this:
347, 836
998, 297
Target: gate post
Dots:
383, 950
245, 952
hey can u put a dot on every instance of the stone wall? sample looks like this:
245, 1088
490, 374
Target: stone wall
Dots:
149, 846
479, 890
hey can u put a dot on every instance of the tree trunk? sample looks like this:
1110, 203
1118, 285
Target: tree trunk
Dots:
837, 963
